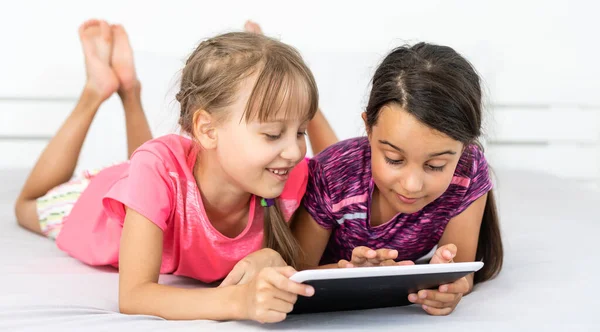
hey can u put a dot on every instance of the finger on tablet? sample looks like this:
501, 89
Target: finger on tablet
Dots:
433, 295
459, 286
388, 262
444, 254
383, 254
436, 311
437, 304
343, 264
364, 252
405, 263
279, 278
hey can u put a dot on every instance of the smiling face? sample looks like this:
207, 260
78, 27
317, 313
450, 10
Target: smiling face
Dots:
258, 155
257, 147
412, 164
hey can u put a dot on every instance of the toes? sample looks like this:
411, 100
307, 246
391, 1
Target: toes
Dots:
87, 24
105, 31
252, 27
90, 23
119, 32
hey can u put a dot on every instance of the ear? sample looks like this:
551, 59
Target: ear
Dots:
204, 129
364, 117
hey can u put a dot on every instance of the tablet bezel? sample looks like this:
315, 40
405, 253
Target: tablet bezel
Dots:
384, 271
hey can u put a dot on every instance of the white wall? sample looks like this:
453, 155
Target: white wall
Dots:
539, 60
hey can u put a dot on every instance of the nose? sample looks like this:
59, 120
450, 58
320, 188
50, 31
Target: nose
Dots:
412, 181
294, 150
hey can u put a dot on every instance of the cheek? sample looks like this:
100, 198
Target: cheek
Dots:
383, 174
302, 146
438, 184
237, 152
245, 157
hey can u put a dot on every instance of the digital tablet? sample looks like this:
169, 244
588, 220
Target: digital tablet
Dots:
373, 287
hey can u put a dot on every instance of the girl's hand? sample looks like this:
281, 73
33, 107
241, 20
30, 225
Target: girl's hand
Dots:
271, 295
444, 300
250, 265
364, 257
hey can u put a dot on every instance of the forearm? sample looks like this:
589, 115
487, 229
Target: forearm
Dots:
183, 304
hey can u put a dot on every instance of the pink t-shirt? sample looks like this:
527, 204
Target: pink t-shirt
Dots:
158, 183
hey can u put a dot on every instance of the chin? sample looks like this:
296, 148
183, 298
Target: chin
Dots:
409, 208
272, 192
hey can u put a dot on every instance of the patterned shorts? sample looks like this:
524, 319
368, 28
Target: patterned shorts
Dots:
54, 207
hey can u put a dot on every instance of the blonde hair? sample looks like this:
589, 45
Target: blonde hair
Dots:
211, 79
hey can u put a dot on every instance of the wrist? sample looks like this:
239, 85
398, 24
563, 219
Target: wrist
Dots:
239, 304
132, 93
90, 97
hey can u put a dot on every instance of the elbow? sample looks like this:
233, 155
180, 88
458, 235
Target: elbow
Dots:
128, 304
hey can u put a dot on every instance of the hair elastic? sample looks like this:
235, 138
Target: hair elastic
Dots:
267, 202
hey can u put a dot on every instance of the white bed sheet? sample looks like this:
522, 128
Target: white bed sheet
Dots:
550, 229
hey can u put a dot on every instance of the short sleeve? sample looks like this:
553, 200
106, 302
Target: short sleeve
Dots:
480, 181
147, 189
317, 199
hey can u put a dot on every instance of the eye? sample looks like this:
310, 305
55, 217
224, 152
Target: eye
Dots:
435, 168
273, 137
301, 133
393, 161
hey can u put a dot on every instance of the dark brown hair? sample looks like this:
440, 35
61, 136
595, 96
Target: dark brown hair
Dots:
442, 90
210, 81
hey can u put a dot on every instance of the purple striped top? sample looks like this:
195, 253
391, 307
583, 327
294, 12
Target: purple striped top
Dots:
338, 197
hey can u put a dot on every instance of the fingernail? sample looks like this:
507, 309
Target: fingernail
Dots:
423, 295
447, 253
424, 307
310, 291
412, 298
443, 289
371, 252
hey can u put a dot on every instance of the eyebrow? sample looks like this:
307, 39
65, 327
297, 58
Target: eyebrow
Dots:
431, 155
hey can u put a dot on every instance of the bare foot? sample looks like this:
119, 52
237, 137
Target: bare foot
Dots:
252, 27
122, 60
96, 40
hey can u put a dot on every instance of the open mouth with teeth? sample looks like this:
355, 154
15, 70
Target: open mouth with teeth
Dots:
279, 171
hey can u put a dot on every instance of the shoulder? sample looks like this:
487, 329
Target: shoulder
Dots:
171, 150
471, 163
348, 156
167, 145
470, 181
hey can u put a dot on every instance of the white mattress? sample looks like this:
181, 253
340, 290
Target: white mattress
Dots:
550, 229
